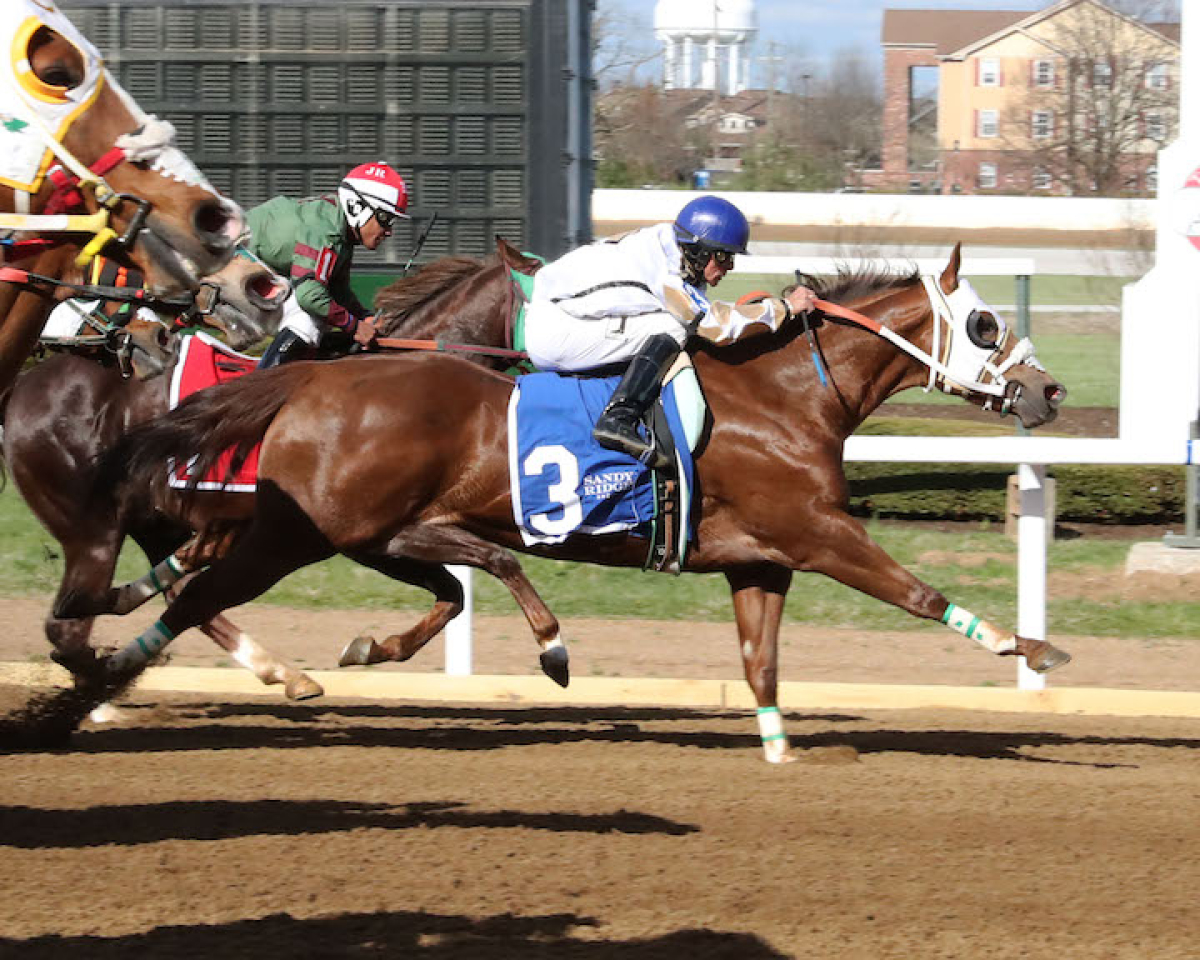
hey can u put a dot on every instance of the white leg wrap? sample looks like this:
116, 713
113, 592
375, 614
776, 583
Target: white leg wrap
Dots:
774, 740
975, 628
144, 649
133, 595
255, 659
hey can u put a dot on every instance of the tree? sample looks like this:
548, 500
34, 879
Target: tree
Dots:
640, 139
1095, 110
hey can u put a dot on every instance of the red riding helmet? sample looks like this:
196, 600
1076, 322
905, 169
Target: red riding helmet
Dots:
373, 189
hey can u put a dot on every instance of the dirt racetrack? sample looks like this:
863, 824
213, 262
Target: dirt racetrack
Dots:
205, 827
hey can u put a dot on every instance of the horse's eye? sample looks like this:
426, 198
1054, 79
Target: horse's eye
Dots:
983, 329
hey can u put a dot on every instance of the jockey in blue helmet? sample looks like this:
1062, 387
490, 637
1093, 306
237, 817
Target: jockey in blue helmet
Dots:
633, 300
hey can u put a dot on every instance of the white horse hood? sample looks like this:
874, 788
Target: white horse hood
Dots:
26, 102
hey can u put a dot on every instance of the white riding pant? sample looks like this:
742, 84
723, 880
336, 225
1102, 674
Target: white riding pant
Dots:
558, 341
302, 323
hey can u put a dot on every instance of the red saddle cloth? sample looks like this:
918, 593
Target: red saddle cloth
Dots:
205, 362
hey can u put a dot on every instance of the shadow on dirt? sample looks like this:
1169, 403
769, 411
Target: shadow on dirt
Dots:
207, 725
36, 828
414, 936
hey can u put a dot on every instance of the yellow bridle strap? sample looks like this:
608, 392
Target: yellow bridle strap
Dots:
94, 223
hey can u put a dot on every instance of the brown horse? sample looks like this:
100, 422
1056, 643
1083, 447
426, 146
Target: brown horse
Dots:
67, 412
169, 221
401, 463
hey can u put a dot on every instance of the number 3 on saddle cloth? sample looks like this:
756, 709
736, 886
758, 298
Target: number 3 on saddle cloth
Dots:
205, 362
564, 483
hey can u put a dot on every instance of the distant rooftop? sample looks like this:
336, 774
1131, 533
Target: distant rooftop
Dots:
945, 30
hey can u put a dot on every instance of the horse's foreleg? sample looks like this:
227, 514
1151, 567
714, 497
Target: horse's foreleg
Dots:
201, 550
849, 556
267, 666
88, 567
442, 545
273, 547
448, 604
758, 598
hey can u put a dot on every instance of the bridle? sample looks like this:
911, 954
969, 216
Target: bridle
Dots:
988, 378
151, 143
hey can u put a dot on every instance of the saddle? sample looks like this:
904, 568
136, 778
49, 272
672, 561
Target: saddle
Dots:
565, 484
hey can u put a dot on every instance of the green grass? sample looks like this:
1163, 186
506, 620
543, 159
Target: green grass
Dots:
30, 562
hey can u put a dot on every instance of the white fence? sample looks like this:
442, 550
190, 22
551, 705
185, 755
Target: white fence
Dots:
1071, 214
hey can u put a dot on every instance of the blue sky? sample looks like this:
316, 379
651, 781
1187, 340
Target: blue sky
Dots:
813, 31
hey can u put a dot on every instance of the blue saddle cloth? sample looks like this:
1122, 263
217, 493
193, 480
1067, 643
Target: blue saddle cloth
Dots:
565, 483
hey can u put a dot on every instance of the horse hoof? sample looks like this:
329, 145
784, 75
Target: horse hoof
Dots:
556, 665
303, 688
1042, 657
359, 652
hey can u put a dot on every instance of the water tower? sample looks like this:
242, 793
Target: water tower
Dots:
704, 33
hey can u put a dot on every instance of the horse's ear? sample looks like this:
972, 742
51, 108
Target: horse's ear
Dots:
950, 274
513, 258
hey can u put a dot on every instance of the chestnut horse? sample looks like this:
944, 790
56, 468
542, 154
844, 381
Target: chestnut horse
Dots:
401, 463
120, 166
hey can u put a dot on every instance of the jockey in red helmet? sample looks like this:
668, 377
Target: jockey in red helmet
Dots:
312, 241
634, 300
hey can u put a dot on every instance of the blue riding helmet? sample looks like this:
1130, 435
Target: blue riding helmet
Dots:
713, 224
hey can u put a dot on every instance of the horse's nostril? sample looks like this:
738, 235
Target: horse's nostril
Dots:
212, 222
1055, 394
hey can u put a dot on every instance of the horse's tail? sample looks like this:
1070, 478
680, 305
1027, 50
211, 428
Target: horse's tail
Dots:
232, 416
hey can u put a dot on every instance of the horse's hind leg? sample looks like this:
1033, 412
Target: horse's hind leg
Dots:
448, 604
442, 545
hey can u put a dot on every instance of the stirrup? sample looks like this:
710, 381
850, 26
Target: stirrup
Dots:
630, 444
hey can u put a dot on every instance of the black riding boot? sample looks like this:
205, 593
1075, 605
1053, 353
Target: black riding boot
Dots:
286, 347
617, 428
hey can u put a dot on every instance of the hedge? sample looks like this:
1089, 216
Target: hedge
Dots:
1085, 493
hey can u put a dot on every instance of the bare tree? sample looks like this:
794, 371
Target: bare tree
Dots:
1094, 111
623, 46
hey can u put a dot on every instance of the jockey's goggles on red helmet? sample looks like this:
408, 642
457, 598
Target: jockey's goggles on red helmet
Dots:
373, 190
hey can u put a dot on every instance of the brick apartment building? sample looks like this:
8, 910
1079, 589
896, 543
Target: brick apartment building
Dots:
1030, 102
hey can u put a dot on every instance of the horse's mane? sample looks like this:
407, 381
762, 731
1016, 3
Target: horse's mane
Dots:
852, 284
408, 293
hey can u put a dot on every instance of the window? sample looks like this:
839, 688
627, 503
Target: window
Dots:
987, 176
987, 123
1043, 124
1043, 73
1152, 180
1041, 180
989, 72
1101, 74
1156, 127
1156, 77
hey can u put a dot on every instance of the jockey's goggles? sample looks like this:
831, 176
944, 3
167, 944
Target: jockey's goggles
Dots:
386, 217
723, 258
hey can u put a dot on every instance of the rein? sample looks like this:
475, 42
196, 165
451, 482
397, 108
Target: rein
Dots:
92, 292
441, 346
